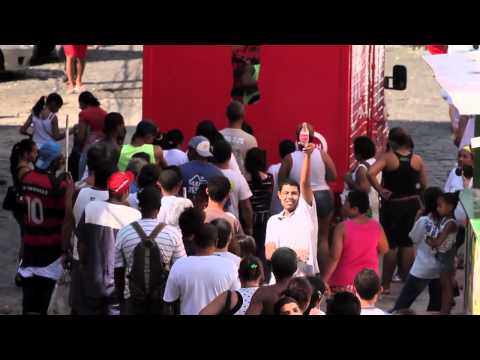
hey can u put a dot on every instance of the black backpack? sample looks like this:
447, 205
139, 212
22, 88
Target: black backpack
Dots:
148, 275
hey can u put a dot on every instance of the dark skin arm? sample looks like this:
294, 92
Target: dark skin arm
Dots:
372, 173
26, 126
335, 252
159, 157
56, 134
361, 184
82, 133
330, 169
256, 305
246, 215
217, 305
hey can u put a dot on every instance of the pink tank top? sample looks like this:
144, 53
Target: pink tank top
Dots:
359, 252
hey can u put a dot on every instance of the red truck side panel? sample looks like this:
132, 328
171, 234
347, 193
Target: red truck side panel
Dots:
325, 85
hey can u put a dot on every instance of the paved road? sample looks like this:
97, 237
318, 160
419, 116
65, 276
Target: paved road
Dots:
115, 75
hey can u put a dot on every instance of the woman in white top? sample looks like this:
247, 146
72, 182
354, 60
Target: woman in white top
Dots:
171, 144
44, 120
357, 180
237, 302
322, 171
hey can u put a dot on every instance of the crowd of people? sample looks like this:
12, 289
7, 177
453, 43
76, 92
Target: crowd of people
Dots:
146, 228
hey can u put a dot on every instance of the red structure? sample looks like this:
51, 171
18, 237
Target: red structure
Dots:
339, 89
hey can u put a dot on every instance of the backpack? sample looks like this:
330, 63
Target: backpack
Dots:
148, 275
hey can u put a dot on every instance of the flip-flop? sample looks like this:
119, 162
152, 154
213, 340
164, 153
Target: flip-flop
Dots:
70, 91
80, 89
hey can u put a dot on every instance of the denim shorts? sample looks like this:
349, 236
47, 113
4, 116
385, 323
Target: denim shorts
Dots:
324, 202
446, 261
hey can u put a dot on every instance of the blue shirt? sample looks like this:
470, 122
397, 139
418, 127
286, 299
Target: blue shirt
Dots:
197, 173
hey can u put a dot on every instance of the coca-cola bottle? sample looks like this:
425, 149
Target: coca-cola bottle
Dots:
304, 137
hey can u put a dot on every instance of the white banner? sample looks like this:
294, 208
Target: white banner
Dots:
459, 75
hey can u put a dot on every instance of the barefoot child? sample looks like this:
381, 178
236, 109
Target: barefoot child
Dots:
442, 240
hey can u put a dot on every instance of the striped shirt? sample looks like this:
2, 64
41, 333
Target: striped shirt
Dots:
169, 242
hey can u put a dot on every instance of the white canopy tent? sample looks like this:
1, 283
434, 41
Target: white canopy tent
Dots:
459, 75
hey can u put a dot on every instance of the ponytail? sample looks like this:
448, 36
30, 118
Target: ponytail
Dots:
37, 109
18, 150
251, 269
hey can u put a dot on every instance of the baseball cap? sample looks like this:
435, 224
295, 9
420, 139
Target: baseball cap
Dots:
48, 153
120, 182
201, 145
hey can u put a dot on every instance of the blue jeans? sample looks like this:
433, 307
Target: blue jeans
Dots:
414, 287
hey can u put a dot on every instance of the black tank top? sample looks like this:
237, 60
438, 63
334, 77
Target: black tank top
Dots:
402, 182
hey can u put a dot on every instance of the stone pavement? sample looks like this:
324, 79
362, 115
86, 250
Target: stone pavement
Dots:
424, 114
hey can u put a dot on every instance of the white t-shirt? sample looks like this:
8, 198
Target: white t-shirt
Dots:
299, 231
425, 265
233, 164
275, 206
232, 257
197, 280
175, 157
133, 201
240, 190
373, 311
167, 203
85, 196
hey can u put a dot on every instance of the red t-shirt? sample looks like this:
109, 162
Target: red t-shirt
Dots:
95, 118
437, 49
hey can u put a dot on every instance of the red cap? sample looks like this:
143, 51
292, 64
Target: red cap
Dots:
120, 182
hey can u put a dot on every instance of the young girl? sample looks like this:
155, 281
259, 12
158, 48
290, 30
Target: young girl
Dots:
357, 179
425, 270
44, 120
458, 180
442, 239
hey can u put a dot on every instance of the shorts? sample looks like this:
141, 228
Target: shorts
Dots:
446, 261
397, 219
324, 202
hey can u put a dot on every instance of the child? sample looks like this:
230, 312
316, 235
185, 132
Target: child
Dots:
459, 179
442, 239
368, 290
425, 270
44, 120
357, 180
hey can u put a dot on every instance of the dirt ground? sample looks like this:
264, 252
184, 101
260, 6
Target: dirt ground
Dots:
114, 75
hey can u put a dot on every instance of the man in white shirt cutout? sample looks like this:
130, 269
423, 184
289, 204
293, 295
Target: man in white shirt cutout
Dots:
296, 227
